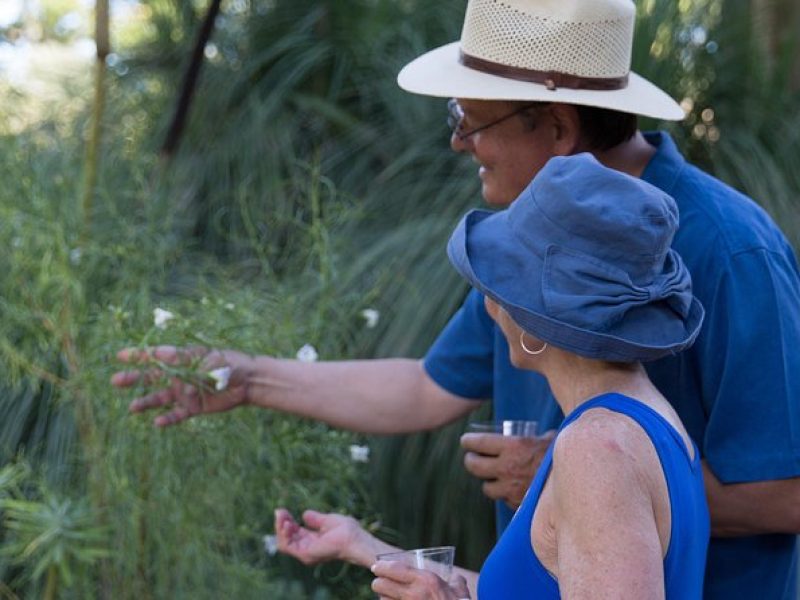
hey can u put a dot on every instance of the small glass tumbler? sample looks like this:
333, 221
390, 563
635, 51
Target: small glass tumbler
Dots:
518, 428
438, 560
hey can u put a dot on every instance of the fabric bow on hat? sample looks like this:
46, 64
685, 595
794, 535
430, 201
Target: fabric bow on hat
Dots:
569, 276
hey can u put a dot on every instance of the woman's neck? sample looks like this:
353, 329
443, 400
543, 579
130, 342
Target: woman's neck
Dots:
575, 380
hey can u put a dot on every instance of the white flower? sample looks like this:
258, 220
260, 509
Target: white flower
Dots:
271, 544
230, 306
161, 317
371, 316
75, 256
221, 378
307, 354
359, 453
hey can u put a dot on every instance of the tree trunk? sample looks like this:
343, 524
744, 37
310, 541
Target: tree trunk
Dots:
777, 23
103, 43
189, 82
791, 30
51, 585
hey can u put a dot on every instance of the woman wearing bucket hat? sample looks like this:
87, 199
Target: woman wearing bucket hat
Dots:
580, 278
533, 79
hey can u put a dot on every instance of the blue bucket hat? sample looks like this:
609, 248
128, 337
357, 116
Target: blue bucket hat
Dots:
582, 260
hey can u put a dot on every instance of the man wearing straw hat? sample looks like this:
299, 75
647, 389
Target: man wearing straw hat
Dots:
569, 63
529, 80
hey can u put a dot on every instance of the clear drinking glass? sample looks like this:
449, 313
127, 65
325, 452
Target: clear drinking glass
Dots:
438, 560
509, 427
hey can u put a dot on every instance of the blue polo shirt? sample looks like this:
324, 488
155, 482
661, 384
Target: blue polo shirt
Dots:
736, 390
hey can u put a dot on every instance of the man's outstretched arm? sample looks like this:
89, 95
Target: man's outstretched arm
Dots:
383, 396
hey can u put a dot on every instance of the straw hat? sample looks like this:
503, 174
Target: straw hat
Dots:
570, 51
582, 260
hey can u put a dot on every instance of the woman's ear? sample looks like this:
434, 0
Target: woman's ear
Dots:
566, 129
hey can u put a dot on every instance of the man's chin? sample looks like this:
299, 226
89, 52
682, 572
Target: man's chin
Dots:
494, 199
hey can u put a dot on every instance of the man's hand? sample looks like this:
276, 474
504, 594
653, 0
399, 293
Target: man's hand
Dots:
184, 399
507, 464
396, 581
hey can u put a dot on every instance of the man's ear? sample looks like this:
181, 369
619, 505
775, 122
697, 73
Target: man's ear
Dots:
566, 129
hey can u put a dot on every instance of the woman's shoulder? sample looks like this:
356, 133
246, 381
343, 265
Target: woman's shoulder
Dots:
603, 443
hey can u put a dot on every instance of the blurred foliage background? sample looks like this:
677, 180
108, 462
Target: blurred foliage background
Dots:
306, 188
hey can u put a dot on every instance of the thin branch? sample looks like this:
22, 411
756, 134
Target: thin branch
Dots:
102, 41
190, 82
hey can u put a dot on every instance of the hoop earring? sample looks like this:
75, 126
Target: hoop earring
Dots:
528, 350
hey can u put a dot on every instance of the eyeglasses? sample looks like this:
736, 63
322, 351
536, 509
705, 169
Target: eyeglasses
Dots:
455, 118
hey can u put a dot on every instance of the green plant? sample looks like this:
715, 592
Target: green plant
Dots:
53, 539
186, 509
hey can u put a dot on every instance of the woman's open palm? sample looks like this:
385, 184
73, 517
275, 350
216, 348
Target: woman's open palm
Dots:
323, 537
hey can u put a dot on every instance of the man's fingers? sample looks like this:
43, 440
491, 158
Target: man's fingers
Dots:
173, 417
483, 467
131, 378
154, 400
170, 355
547, 436
490, 444
125, 378
494, 444
493, 490
131, 355
137, 356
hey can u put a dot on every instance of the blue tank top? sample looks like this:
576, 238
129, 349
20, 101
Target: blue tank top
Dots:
512, 570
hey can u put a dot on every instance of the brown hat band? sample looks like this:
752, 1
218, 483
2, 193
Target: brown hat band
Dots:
551, 79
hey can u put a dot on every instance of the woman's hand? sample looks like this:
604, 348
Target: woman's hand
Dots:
396, 581
185, 399
325, 536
